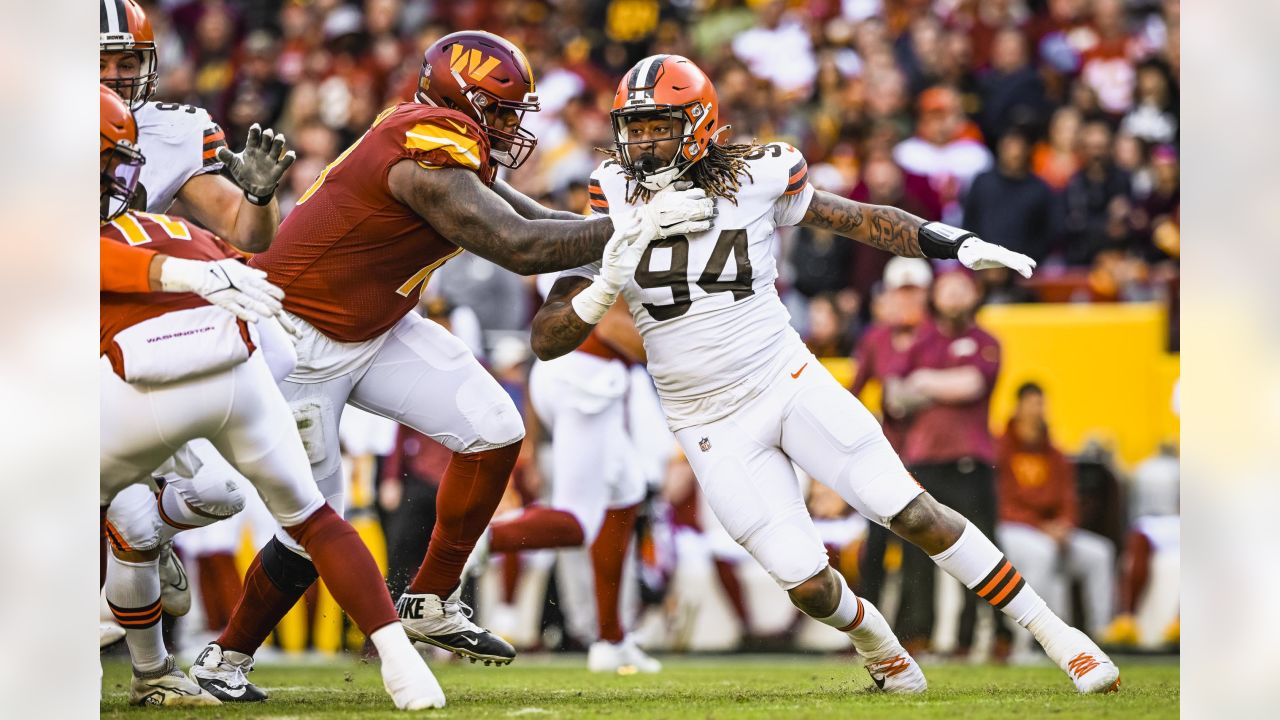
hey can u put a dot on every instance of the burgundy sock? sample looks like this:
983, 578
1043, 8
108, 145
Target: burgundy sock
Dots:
469, 494
729, 581
219, 588
347, 568
261, 607
608, 555
537, 528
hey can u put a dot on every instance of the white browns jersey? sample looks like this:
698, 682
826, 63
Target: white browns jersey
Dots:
179, 142
714, 328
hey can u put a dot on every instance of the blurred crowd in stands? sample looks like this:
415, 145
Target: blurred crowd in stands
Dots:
1048, 126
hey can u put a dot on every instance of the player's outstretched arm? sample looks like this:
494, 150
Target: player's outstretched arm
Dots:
459, 206
901, 233
527, 207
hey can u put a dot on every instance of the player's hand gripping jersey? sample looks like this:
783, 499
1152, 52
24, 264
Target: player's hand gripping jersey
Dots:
714, 328
156, 337
351, 258
179, 142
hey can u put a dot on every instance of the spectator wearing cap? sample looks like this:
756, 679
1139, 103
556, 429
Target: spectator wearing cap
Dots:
1096, 199
943, 390
1010, 206
1039, 525
898, 312
940, 152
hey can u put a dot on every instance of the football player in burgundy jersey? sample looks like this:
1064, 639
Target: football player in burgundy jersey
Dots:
174, 368
354, 255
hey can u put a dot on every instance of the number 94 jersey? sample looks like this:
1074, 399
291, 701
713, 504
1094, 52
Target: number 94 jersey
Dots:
714, 328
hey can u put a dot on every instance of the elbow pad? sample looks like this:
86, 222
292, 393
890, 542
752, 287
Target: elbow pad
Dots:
940, 241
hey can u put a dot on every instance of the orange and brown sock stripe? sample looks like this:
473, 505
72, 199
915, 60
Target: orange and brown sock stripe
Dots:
857, 619
1001, 585
139, 618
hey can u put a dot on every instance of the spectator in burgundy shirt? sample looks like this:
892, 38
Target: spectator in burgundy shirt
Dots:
900, 309
944, 388
1038, 517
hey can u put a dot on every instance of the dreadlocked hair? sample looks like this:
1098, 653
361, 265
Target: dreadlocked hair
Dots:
718, 172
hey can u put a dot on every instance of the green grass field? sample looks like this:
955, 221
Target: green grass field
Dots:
779, 686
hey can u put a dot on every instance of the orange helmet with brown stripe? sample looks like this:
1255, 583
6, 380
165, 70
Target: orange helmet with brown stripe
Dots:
665, 85
119, 159
123, 29
488, 79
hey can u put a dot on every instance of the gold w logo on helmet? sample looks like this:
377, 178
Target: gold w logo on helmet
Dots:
473, 62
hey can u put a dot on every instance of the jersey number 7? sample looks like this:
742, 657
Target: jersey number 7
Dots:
677, 276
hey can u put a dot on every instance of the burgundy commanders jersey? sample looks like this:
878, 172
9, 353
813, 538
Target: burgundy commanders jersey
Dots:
167, 235
351, 258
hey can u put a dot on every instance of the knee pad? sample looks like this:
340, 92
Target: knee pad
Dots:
286, 569
492, 414
210, 498
790, 553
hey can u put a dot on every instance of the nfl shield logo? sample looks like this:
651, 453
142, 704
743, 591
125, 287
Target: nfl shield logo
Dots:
704, 444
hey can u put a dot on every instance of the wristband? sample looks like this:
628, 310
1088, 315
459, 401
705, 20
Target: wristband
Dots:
940, 241
259, 200
593, 302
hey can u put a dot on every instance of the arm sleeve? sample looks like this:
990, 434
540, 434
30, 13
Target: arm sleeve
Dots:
124, 269
214, 138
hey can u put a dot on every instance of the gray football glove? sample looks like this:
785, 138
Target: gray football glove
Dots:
258, 168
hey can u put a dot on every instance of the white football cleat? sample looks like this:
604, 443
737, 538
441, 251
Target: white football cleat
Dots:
897, 673
447, 624
175, 590
222, 673
168, 687
624, 658
1084, 662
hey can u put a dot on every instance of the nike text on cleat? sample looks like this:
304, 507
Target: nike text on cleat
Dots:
447, 624
897, 674
167, 687
175, 590
223, 675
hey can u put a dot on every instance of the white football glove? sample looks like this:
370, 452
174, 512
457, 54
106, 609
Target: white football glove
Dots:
230, 284
258, 168
676, 212
978, 254
618, 264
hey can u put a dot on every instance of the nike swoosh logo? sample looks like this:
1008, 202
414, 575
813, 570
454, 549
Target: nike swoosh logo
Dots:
236, 692
796, 374
457, 126
474, 643
879, 682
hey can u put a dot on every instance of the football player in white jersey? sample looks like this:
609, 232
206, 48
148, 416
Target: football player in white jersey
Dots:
186, 152
743, 394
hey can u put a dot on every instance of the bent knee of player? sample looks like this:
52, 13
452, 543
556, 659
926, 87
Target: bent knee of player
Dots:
209, 501
791, 556
926, 522
492, 414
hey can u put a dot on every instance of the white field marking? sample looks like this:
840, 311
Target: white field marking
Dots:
528, 711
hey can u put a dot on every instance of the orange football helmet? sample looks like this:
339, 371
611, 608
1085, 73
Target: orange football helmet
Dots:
473, 71
124, 27
119, 159
666, 85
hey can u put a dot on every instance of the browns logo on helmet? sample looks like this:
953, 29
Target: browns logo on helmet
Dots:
488, 79
119, 159
124, 28
665, 85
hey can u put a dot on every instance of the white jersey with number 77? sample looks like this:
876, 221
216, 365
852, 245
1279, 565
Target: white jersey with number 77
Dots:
714, 328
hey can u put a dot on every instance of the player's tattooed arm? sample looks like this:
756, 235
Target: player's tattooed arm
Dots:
470, 215
529, 208
557, 329
879, 226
